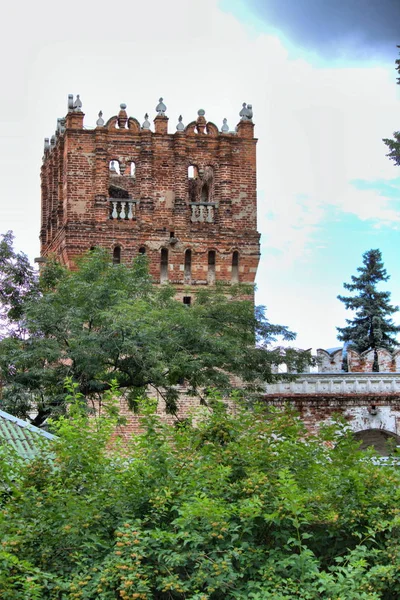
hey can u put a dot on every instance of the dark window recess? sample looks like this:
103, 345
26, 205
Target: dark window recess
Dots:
235, 267
187, 300
164, 265
204, 193
117, 255
211, 267
188, 266
117, 192
142, 250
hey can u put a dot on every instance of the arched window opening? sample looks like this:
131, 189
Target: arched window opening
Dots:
164, 265
188, 266
116, 255
211, 267
235, 267
193, 172
142, 250
133, 169
114, 167
384, 442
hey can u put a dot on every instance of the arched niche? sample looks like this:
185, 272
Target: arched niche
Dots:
383, 441
117, 255
235, 267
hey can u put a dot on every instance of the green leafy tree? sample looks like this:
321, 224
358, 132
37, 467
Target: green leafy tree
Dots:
394, 144
104, 322
244, 505
18, 285
372, 327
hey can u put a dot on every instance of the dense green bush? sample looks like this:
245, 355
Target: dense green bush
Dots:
242, 505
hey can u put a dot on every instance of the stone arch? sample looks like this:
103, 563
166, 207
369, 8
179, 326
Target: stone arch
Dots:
190, 128
212, 129
111, 123
133, 125
382, 440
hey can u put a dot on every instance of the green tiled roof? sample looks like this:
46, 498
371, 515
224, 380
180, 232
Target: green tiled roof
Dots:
21, 435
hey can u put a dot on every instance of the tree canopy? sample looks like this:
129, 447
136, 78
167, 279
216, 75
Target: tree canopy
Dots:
231, 506
106, 322
372, 327
394, 144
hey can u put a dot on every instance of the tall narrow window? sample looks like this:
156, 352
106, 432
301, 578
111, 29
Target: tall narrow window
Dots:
211, 267
235, 267
188, 266
204, 193
117, 255
114, 167
133, 169
164, 265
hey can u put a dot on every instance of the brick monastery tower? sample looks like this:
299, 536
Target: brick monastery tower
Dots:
185, 199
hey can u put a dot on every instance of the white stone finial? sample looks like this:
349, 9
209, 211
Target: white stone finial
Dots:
201, 112
161, 108
146, 122
249, 112
70, 102
225, 126
46, 144
53, 141
100, 120
243, 112
180, 126
78, 103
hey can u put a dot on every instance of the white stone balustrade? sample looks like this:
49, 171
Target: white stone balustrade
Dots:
339, 384
122, 209
202, 212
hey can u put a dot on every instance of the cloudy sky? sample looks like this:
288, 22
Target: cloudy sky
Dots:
321, 79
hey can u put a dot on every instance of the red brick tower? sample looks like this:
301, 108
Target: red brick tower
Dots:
187, 199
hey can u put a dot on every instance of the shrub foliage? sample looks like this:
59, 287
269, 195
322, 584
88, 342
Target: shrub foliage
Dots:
224, 506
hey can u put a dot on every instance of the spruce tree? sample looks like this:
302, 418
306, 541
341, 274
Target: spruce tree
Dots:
372, 327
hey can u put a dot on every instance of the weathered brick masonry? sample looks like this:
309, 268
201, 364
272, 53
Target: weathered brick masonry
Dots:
368, 401
186, 199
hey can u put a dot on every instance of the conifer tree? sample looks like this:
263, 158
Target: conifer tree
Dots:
372, 327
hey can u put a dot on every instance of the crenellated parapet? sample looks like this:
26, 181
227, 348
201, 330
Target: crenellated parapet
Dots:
134, 185
349, 360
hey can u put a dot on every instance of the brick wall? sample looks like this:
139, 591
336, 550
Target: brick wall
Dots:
154, 205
